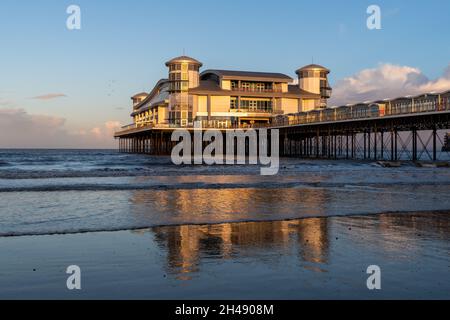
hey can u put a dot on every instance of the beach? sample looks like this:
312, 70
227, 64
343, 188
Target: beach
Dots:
314, 258
141, 228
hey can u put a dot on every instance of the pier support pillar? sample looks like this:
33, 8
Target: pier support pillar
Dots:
335, 146
392, 145
414, 144
396, 145
353, 146
375, 149
434, 144
365, 144
317, 144
346, 145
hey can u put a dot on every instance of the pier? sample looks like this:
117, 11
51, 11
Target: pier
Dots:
412, 136
399, 129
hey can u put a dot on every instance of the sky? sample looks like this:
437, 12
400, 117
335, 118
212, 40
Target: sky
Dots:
62, 88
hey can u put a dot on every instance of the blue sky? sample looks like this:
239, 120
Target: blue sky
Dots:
122, 46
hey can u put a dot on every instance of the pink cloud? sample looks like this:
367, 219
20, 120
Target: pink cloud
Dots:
25, 130
49, 96
386, 81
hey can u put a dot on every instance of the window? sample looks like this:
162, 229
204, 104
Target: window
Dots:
257, 105
233, 103
175, 67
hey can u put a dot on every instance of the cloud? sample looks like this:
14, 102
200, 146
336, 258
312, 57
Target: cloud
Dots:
6, 103
104, 132
24, 130
50, 96
112, 125
386, 81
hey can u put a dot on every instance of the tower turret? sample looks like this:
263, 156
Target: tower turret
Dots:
314, 78
183, 75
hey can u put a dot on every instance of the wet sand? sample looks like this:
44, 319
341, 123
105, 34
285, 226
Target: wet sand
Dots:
312, 258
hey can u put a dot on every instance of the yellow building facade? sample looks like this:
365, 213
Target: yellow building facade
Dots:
227, 98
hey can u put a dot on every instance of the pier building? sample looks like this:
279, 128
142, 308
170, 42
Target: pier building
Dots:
227, 98
398, 128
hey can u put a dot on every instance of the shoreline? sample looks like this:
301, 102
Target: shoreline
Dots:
308, 258
137, 229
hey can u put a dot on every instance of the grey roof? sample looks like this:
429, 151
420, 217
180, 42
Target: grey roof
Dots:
402, 98
157, 100
295, 89
137, 95
150, 95
429, 94
211, 87
312, 67
249, 75
184, 59
207, 86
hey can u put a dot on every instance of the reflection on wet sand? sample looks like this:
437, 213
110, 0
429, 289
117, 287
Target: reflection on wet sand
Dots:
401, 235
222, 205
227, 205
189, 247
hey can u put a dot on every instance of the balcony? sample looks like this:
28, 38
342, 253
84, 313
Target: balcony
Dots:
251, 110
257, 90
326, 92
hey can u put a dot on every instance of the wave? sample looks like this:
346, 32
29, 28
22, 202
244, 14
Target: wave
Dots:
4, 164
94, 173
231, 221
137, 171
366, 187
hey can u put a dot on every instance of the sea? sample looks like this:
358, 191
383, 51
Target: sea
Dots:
74, 191
140, 227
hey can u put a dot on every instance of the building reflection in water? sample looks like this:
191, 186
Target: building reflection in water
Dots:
188, 246
202, 235
399, 236
212, 206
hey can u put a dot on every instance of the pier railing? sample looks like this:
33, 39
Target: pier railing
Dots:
334, 115
328, 115
128, 129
